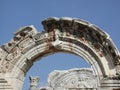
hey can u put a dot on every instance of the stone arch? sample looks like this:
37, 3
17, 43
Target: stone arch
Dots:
61, 35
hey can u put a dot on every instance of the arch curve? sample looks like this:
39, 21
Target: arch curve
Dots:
60, 35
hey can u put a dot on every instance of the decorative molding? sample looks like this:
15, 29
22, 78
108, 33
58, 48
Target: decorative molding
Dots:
74, 78
60, 35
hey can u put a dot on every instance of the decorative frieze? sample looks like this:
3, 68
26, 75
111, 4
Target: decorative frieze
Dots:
118, 71
40, 36
61, 35
74, 78
26, 45
6, 67
15, 54
3, 54
86, 32
25, 32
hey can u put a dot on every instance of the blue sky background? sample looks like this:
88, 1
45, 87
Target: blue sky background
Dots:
15, 14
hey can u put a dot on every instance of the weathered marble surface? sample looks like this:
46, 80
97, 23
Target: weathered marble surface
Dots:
60, 35
76, 78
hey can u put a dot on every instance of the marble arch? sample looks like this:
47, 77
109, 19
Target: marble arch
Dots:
60, 35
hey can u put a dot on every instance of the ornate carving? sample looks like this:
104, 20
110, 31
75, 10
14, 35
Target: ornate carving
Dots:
6, 67
34, 81
14, 55
8, 60
25, 32
50, 24
116, 76
40, 36
11, 60
78, 28
66, 26
3, 54
74, 78
20, 43
118, 70
9, 46
26, 44
75, 34
86, 32
57, 42
117, 60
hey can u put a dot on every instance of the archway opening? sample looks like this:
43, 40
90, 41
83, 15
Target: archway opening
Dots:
57, 61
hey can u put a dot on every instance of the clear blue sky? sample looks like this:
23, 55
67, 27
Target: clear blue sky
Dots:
15, 14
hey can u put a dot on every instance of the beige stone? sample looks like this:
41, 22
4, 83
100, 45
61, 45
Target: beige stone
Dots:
65, 34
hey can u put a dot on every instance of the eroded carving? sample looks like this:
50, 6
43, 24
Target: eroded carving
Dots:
40, 36
8, 60
26, 45
6, 67
3, 54
74, 78
73, 35
50, 24
34, 82
25, 32
118, 70
14, 55
86, 32
9, 46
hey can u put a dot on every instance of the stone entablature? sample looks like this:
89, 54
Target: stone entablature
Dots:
60, 35
72, 79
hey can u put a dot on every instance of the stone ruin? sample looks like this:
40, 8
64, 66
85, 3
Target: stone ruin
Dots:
69, 35
73, 79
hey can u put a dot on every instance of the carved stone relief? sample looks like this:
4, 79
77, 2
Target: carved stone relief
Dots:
118, 70
6, 67
3, 55
34, 81
26, 44
64, 34
26, 32
74, 78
